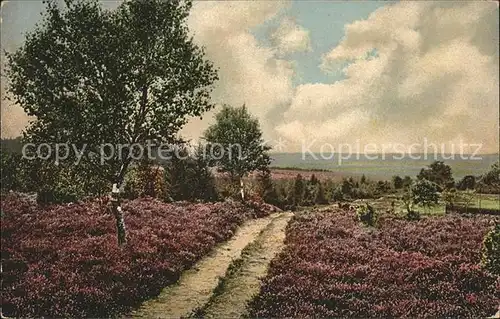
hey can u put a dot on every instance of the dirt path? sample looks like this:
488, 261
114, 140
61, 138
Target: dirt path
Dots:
195, 286
242, 281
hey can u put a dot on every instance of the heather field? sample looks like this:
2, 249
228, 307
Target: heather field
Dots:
333, 266
63, 260
249, 159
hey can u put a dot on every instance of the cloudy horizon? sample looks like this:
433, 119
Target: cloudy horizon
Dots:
337, 72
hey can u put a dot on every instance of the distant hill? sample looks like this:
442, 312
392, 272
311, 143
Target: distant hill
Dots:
381, 168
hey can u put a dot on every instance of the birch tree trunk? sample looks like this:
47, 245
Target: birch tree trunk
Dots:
118, 213
121, 231
120, 225
242, 189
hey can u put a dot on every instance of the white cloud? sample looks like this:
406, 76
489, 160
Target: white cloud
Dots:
249, 72
290, 37
435, 76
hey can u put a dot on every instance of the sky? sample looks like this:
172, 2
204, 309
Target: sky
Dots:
321, 74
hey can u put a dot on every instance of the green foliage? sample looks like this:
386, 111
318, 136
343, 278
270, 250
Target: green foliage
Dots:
365, 189
490, 182
314, 192
337, 194
347, 186
412, 215
468, 182
493, 175
62, 192
450, 197
491, 250
397, 182
367, 215
9, 171
363, 179
145, 179
133, 187
439, 173
309, 193
189, 176
363, 192
453, 198
91, 76
320, 198
267, 189
314, 180
227, 188
407, 181
421, 192
12, 145
407, 199
299, 188
383, 187
424, 193
12, 169
236, 143
284, 190
63, 183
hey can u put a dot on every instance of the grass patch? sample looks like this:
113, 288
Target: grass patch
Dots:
384, 204
486, 203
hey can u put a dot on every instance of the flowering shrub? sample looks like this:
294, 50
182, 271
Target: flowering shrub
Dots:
63, 260
334, 267
145, 179
367, 215
491, 250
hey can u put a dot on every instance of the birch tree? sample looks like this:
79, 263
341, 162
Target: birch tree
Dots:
236, 145
117, 78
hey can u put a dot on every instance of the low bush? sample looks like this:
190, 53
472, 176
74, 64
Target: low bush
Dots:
189, 177
65, 184
144, 180
412, 215
337, 194
367, 215
63, 260
55, 183
267, 189
227, 188
491, 250
9, 171
57, 195
320, 196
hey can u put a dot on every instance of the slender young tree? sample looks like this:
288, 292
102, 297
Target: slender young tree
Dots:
236, 144
425, 193
320, 197
96, 78
299, 188
439, 173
